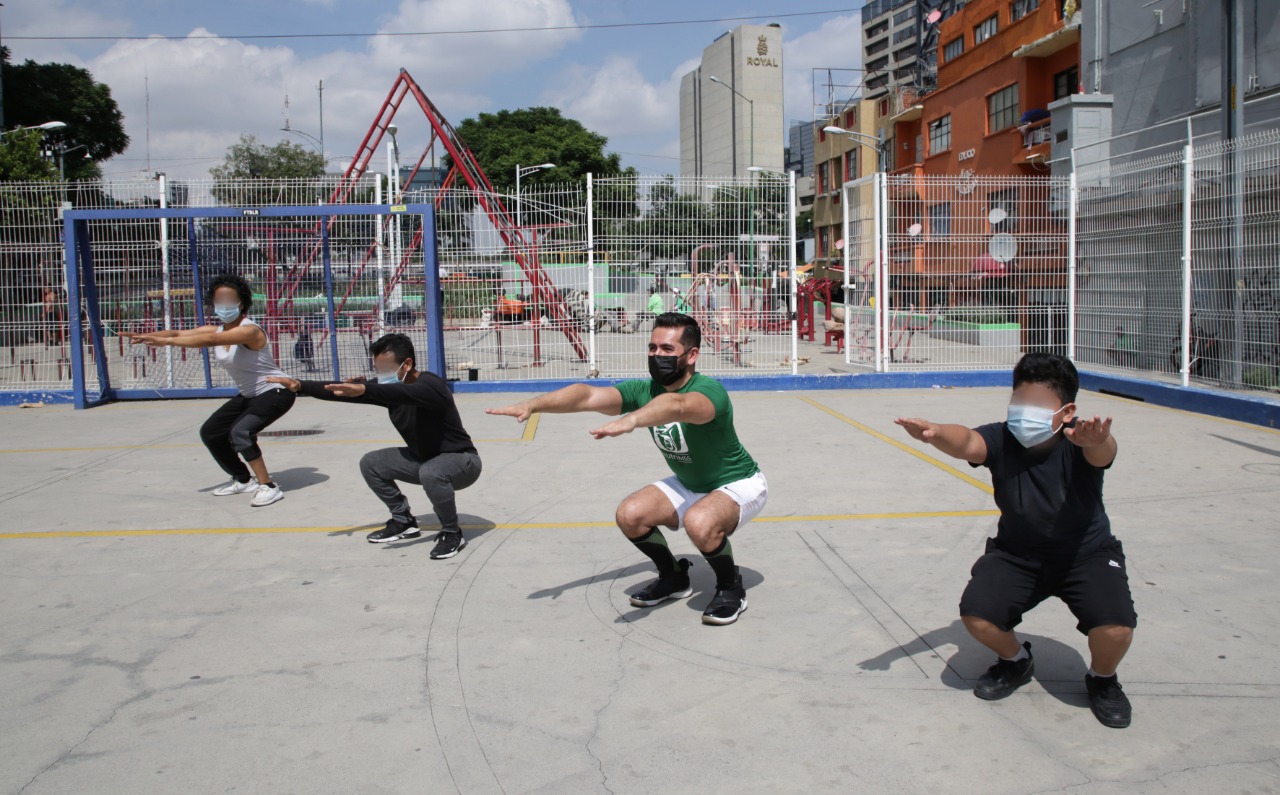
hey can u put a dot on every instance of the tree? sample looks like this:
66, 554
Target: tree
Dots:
20, 159
36, 93
247, 159
530, 136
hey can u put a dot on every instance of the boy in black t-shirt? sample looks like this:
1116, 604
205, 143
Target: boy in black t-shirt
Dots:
1053, 537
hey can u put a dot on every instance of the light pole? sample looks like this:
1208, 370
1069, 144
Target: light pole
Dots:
62, 158
520, 173
49, 125
792, 209
751, 212
869, 141
316, 142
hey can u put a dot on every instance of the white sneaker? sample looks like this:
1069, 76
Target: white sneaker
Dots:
266, 495
236, 487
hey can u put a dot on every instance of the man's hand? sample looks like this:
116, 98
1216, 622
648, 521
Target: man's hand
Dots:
921, 430
291, 384
345, 390
521, 411
624, 424
1089, 433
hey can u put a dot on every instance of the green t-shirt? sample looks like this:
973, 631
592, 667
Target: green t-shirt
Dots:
703, 457
655, 304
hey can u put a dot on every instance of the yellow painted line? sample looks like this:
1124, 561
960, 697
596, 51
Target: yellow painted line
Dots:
531, 427
214, 531
270, 443
950, 470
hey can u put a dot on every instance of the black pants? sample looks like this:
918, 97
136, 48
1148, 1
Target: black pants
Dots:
439, 477
232, 431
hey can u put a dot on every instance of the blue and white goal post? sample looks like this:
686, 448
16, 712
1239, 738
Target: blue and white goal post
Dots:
327, 280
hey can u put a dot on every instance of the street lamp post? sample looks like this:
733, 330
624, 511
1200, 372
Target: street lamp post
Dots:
49, 125
869, 141
751, 213
520, 173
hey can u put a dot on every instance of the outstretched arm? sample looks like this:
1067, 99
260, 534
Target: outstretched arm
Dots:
1095, 439
694, 408
956, 441
571, 399
141, 336
250, 336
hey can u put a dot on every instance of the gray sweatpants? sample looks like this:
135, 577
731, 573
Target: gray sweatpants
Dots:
439, 478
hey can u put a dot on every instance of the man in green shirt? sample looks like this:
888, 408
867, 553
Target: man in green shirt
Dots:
716, 487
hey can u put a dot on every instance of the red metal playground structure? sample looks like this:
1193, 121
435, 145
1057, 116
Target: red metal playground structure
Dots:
465, 172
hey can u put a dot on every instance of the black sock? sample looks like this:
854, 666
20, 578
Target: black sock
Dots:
654, 545
721, 562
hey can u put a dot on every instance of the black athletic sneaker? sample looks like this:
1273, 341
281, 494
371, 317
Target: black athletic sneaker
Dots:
726, 606
395, 530
1004, 677
668, 586
448, 545
1107, 700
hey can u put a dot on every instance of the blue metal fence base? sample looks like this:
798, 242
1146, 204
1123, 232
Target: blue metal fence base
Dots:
1253, 409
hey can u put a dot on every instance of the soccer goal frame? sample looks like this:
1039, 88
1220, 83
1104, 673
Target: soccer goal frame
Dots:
87, 331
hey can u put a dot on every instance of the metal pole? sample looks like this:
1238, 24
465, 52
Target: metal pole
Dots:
591, 275
848, 285
1232, 128
380, 301
519, 220
751, 192
791, 260
1188, 192
1071, 267
320, 91
164, 277
328, 289
882, 274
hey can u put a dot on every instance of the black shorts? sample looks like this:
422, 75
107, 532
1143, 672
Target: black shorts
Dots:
1003, 586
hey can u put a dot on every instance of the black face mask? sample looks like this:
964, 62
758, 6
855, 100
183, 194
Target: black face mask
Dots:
666, 370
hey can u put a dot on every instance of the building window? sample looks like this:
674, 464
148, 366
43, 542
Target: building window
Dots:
878, 64
877, 29
1007, 202
1002, 109
848, 118
940, 219
1021, 8
940, 135
985, 29
1066, 83
905, 54
953, 49
884, 108
903, 16
879, 46
823, 237
821, 187
850, 165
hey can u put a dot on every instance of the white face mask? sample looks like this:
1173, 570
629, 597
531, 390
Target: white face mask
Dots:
226, 313
392, 377
1031, 425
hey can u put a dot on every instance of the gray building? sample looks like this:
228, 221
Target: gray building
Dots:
800, 147
720, 132
1150, 63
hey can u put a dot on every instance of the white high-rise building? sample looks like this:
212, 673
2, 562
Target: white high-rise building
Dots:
716, 125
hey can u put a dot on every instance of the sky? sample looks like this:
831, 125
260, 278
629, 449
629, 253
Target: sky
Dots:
208, 83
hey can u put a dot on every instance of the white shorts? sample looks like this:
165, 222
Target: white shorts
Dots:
749, 493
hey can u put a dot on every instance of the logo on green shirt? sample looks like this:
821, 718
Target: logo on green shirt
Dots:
670, 438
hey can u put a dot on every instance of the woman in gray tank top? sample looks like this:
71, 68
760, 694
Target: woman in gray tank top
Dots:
241, 347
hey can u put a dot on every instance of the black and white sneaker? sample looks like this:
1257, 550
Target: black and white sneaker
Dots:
396, 530
726, 606
1108, 702
1005, 676
670, 586
448, 545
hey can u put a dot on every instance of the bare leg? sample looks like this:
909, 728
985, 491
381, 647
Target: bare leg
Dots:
711, 520
1107, 647
1002, 642
259, 467
646, 509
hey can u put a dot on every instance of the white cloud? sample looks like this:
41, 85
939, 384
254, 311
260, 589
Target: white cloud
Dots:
206, 91
837, 44
56, 18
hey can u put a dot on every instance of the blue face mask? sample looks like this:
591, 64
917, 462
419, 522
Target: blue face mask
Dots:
1031, 425
391, 377
226, 313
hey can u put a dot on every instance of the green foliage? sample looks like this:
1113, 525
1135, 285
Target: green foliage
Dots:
531, 136
20, 159
37, 93
1261, 376
248, 159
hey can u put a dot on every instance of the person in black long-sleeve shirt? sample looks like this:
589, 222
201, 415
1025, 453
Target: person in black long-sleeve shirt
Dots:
440, 455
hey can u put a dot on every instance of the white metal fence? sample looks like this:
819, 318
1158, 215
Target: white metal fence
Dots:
1158, 262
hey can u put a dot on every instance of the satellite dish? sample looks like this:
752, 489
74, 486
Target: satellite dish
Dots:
914, 230
840, 244
997, 216
933, 17
1003, 247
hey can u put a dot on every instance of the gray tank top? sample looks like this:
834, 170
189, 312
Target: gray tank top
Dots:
247, 367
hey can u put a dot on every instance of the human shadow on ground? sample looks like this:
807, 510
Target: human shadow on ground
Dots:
1060, 668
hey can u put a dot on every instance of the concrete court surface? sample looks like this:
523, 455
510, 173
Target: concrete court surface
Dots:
157, 639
